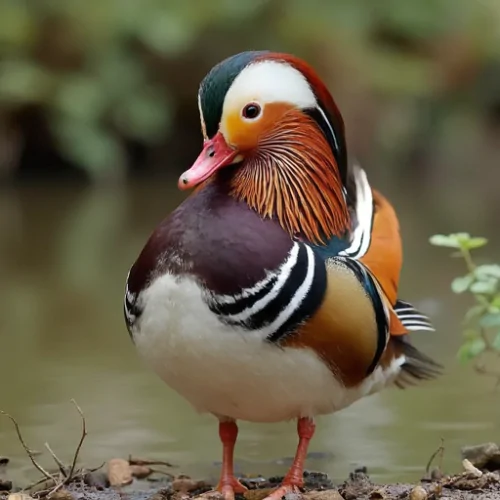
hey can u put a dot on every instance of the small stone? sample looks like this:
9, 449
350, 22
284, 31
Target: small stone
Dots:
98, 479
482, 454
210, 495
162, 494
119, 473
253, 482
418, 493
293, 495
314, 480
5, 485
436, 474
61, 494
257, 494
19, 496
184, 484
324, 495
470, 469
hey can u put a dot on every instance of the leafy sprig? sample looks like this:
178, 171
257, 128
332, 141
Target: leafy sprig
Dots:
481, 321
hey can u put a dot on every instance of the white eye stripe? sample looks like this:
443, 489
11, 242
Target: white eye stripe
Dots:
202, 119
267, 82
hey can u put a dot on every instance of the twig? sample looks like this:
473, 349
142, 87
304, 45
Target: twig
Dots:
469, 263
140, 461
488, 346
440, 452
163, 472
97, 468
40, 485
82, 439
62, 467
26, 449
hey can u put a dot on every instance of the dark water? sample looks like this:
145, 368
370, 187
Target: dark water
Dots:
65, 253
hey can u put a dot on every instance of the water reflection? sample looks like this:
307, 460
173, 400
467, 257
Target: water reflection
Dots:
65, 252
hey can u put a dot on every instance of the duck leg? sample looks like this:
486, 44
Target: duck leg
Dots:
294, 480
228, 484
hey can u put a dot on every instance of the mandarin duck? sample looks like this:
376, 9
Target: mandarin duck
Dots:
271, 292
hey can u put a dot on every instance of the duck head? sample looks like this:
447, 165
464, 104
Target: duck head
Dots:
272, 129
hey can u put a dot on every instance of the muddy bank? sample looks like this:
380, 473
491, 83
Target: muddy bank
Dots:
318, 487
135, 479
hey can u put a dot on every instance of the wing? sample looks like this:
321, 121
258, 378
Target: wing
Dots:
361, 324
376, 242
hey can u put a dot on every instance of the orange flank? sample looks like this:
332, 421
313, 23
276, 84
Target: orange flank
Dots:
385, 256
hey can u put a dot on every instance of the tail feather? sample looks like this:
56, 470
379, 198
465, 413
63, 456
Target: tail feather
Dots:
411, 318
417, 366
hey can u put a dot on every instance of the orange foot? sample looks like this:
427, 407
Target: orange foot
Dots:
229, 486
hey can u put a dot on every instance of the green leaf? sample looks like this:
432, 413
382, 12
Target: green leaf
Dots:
471, 349
473, 312
81, 97
494, 305
470, 334
441, 240
91, 147
484, 287
476, 242
167, 32
23, 82
458, 240
490, 320
144, 116
488, 270
462, 283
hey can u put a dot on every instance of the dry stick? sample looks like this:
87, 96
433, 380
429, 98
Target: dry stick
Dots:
140, 461
70, 476
440, 452
26, 449
57, 460
82, 439
164, 472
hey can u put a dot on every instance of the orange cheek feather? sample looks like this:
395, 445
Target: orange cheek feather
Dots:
246, 134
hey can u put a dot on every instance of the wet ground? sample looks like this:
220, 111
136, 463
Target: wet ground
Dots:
135, 479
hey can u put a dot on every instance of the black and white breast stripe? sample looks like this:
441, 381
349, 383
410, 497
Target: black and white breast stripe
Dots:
365, 209
277, 305
130, 309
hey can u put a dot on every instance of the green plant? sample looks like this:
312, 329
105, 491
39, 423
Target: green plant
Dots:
482, 319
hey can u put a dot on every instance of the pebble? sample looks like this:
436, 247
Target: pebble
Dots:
418, 493
470, 469
482, 454
119, 473
61, 494
5, 485
19, 496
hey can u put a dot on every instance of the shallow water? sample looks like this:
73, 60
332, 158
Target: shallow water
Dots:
65, 253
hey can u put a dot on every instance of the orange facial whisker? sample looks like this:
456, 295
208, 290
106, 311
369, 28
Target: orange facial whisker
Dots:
292, 175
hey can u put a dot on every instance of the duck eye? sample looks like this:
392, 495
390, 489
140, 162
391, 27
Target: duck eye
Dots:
251, 111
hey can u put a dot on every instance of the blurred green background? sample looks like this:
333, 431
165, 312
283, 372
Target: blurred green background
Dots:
98, 117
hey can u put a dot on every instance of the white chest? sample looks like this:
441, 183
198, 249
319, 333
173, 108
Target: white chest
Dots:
228, 371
